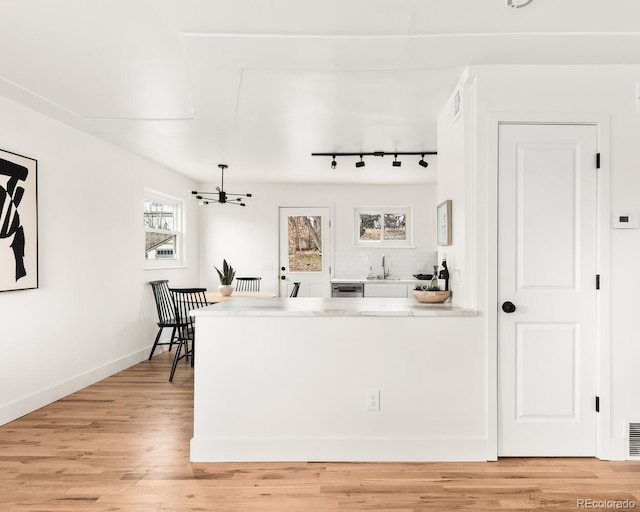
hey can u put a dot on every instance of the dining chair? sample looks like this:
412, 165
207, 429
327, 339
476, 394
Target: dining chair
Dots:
186, 300
166, 313
248, 284
294, 290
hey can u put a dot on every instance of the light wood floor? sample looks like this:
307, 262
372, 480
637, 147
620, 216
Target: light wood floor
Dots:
123, 445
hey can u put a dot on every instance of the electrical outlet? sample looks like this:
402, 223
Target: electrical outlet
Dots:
373, 399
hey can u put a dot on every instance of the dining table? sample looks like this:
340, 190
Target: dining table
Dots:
214, 297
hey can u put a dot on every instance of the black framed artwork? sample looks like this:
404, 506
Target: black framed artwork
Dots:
18, 222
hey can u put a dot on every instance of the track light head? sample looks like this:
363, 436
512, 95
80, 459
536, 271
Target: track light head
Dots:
395, 161
360, 163
422, 162
333, 162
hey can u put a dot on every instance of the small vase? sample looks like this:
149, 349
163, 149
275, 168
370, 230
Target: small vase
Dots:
225, 290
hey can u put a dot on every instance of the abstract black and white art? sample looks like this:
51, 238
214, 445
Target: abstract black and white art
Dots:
18, 222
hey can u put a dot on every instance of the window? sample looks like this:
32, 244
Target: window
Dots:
305, 243
387, 226
162, 222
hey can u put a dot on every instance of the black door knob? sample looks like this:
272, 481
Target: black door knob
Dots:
508, 307
283, 269
283, 277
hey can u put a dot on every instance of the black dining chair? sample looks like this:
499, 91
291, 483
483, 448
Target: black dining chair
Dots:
294, 290
166, 313
248, 284
186, 300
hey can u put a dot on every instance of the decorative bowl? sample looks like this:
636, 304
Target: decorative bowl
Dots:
431, 297
423, 277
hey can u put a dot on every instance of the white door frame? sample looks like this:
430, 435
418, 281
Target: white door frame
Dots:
603, 370
331, 207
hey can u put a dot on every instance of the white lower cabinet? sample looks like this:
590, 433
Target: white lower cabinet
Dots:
386, 290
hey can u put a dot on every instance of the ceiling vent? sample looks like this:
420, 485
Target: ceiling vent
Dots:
633, 439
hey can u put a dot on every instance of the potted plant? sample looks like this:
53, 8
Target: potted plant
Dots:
226, 278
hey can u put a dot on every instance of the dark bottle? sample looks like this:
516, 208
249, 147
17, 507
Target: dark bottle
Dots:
444, 274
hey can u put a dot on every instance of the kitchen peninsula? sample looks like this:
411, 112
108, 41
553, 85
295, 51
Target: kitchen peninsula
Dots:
291, 380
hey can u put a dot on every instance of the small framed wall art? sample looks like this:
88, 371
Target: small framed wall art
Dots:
18, 222
444, 223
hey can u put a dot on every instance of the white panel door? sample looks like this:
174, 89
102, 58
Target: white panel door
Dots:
547, 272
305, 251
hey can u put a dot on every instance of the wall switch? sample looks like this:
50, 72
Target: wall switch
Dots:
373, 399
267, 266
457, 276
626, 220
421, 267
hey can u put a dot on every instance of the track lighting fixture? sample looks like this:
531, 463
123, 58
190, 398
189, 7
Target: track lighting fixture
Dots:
396, 163
222, 196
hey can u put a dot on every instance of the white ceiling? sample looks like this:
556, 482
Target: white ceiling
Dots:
260, 85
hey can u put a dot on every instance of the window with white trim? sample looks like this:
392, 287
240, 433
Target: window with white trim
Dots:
383, 226
163, 229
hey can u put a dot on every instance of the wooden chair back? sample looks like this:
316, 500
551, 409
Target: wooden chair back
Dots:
164, 302
248, 284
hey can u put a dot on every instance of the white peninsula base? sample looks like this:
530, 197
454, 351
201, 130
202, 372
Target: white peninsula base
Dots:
286, 380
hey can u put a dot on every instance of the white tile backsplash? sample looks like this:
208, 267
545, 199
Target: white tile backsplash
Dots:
402, 263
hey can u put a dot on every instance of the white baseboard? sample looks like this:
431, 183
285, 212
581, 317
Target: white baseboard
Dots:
337, 450
35, 401
618, 448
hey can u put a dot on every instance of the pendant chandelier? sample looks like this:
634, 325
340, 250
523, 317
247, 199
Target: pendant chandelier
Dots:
220, 195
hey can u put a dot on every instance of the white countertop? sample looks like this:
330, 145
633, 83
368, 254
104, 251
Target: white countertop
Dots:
392, 280
331, 307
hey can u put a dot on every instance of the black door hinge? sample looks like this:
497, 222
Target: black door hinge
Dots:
597, 160
597, 404
597, 281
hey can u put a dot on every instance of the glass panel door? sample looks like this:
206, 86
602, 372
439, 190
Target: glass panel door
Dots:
304, 251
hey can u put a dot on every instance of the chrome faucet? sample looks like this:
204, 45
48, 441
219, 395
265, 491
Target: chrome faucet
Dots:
385, 271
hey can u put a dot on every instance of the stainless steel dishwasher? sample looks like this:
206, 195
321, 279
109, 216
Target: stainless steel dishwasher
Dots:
347, 289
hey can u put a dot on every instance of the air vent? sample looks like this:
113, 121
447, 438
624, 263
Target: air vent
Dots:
633, 439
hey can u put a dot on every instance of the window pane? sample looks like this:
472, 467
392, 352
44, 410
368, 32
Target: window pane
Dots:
370, 226
160, 246
395, 226
305, 243
159, 216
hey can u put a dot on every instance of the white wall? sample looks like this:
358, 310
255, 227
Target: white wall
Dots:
93, 313
248, 237
455, 183
583, 93
313, 373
